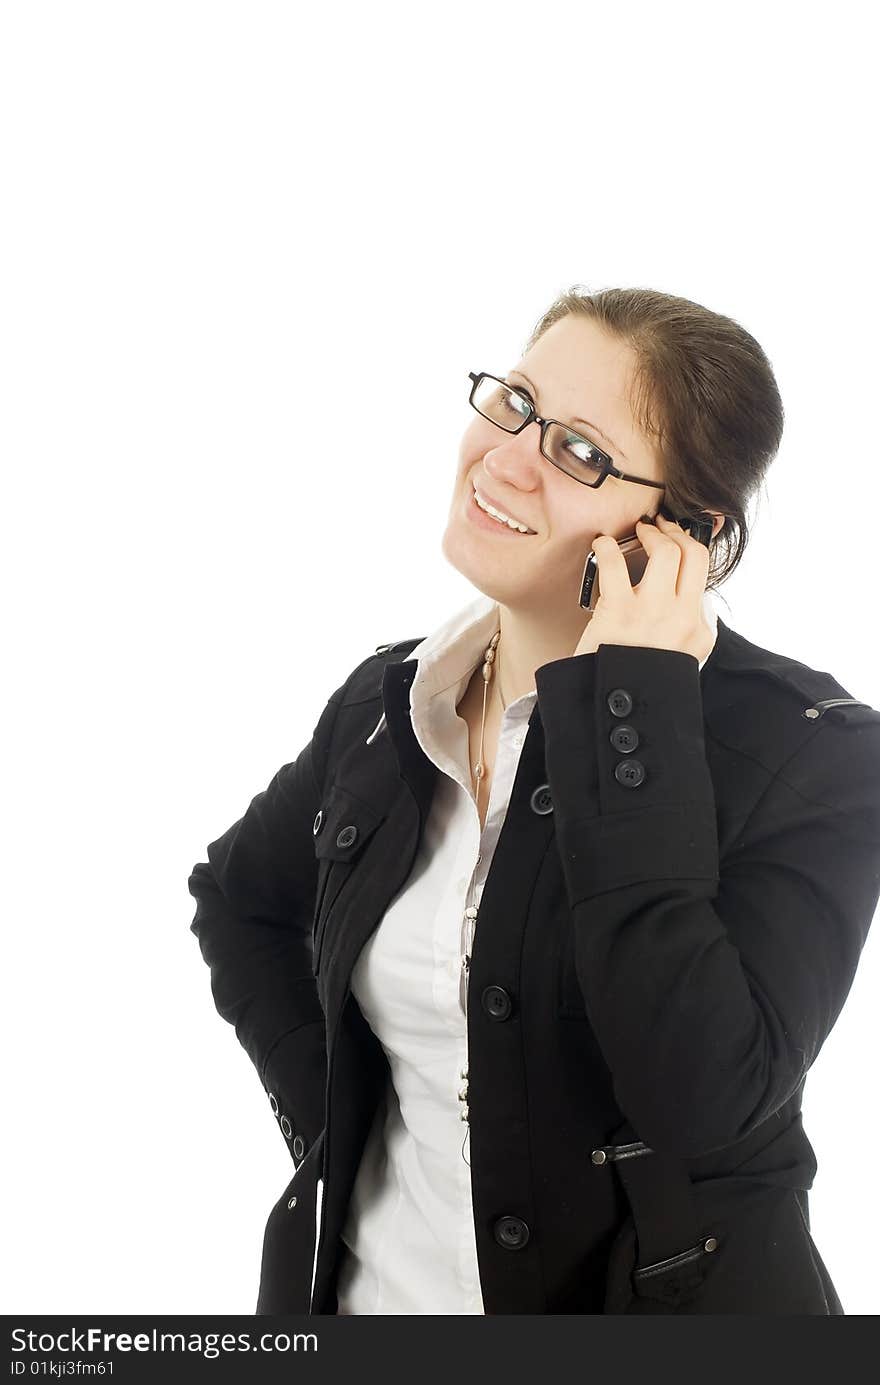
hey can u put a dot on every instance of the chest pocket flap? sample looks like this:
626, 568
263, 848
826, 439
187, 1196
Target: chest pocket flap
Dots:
343, 825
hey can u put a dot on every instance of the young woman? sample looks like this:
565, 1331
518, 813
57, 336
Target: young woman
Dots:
534, 943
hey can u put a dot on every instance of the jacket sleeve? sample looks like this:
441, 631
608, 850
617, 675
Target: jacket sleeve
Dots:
255, 899
710, 989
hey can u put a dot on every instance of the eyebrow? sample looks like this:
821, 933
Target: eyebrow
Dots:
595, 426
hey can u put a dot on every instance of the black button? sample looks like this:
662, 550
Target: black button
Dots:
629, 773
620, 702
496, 1002
319, 819
347, 836
299, 1147
511, 1232
624, 739
541, 800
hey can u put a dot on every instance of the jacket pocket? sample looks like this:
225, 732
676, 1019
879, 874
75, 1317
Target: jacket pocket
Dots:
344, 824
753, 1257
671, 1285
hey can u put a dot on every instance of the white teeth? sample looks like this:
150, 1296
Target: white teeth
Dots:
505, 519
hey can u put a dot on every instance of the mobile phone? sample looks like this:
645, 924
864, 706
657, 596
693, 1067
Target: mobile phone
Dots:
698, 526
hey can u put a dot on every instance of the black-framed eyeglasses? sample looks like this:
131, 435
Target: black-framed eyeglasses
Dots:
571, 452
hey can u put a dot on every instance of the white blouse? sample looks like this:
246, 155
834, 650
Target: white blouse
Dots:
409, 1241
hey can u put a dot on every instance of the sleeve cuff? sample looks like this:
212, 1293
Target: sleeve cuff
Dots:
295, 1079
625, 753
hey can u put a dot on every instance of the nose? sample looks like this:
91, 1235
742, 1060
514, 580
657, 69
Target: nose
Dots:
516, 461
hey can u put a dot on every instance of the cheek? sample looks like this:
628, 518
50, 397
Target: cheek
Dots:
572, 535
474, 439
600, 514
469, 453
576, 525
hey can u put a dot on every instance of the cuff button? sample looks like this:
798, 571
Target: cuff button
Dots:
629, 773
624, 738
620, 702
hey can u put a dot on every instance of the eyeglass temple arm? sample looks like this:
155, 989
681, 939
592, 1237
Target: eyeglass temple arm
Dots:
625, 476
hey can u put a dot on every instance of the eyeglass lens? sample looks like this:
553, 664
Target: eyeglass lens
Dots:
569, 451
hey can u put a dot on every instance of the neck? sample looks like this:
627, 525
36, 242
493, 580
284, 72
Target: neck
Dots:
529, 640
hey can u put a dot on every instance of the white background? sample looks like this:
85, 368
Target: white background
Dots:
249, 249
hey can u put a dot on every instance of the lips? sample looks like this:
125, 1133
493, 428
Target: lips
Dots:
487, 500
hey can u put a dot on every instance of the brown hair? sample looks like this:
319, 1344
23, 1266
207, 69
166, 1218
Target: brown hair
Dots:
704, 390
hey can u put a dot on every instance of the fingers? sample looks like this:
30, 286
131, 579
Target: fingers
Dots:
692, 557
664, 556
614, 580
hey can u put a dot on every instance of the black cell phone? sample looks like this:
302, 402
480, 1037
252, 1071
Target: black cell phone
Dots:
698, 526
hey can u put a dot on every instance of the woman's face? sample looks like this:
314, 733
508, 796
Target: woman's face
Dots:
577, 372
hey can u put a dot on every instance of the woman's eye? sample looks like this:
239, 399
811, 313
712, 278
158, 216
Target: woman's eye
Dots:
582, 449
513, 404
584, 453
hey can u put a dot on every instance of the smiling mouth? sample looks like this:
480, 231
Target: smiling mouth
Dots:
516, 525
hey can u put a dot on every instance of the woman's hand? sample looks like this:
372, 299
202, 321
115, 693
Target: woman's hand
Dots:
665, 609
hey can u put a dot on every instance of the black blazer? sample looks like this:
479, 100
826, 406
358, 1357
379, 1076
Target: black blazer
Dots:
671, 924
